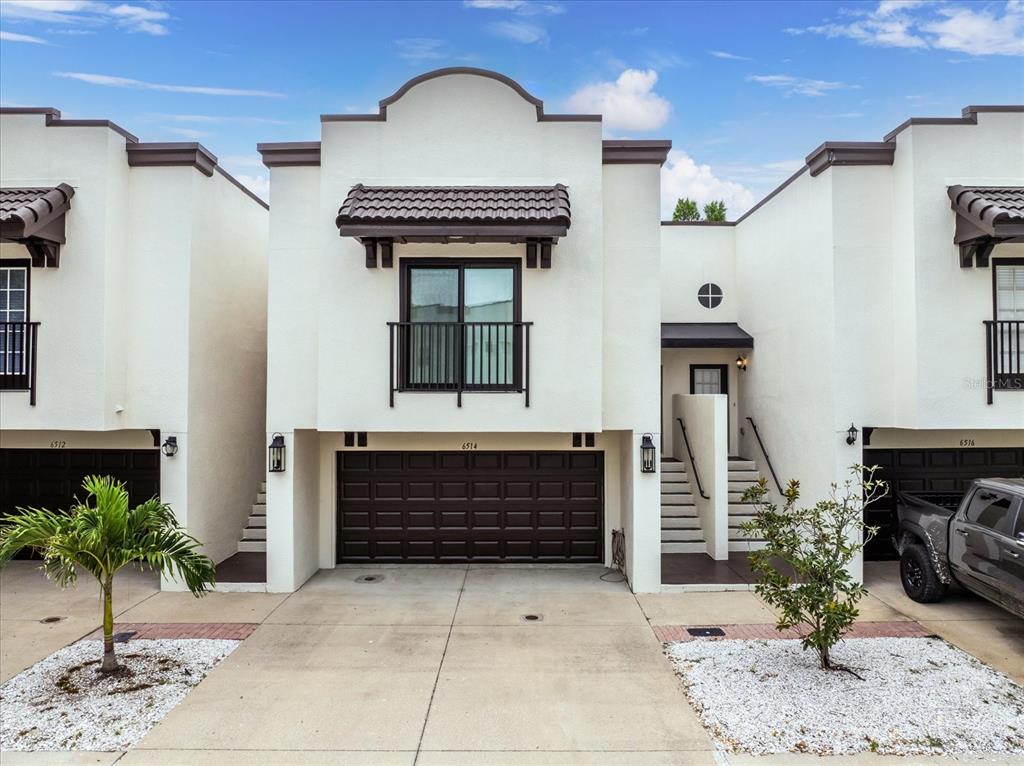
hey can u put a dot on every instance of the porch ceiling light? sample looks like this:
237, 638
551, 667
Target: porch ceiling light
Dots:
851, 434
648, 453
275, 454
170, 446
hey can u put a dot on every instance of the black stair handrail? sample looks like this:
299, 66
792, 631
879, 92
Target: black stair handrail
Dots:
766, 457
693, 460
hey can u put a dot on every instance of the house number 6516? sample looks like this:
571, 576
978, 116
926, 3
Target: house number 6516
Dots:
468, 445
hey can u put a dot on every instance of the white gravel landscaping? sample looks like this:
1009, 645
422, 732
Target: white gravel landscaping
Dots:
919, 695
61, 703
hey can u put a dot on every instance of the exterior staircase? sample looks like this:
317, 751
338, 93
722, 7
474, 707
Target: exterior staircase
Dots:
254, 536
743, 474
680, 526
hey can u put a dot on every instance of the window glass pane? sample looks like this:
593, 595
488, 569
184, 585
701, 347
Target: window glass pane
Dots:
17, 277
991, 510
489, 295
434, 295
490, 304
1009, 292
707, 381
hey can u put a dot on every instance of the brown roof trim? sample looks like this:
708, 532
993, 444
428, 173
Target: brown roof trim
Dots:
850, 153
173, 154
28, 219
241, 187
54, 120
290, 154
698, 223
382, 114
969, 116
641, 152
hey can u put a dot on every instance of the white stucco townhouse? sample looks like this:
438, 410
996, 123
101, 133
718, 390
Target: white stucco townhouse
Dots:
132, 322
466, 300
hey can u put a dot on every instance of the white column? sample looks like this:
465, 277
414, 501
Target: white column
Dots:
292, 514
641, 516
174, 490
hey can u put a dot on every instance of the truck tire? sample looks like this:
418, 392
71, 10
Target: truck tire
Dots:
918, 576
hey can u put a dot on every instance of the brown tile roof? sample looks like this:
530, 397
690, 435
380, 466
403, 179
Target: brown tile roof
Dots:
457, 205
24, 211
988, 207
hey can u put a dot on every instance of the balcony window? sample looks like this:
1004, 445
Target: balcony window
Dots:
1005, 334
13, 317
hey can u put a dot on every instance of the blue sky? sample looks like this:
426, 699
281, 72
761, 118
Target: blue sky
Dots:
744, 90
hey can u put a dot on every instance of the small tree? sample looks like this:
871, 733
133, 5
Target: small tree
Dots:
686, 210
812, 589
715, 210
102, 535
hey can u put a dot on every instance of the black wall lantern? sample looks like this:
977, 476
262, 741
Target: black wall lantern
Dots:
741, 362
275, 453
851, 434
170, 446
648, 453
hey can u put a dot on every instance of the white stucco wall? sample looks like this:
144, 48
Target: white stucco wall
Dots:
693, 255
155, 318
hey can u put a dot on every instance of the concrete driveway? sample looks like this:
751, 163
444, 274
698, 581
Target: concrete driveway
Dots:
439, 665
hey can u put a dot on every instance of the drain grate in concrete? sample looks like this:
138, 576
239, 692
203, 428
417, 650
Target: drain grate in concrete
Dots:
705, 632
531, 617
370, 578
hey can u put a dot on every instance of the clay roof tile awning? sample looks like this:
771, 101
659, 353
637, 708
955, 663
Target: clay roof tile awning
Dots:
440, 213
35, 218
986, 216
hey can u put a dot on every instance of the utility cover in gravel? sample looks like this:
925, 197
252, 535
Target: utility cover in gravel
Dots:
61, 703
919, 695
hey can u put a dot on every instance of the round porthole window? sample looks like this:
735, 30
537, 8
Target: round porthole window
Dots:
709, 295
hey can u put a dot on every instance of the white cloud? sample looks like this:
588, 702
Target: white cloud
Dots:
976, 29
629, 103
682, 177
728, 56
520, 7
190, 133
420, 48
257, 184
127, 82
801, 86
13, 37
519, 31
89, 13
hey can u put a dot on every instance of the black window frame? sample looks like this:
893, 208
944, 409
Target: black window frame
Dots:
406, 266
20, 381
724, 368
996, 262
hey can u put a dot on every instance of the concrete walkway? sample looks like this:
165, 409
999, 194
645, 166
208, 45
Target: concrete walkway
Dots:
438, 665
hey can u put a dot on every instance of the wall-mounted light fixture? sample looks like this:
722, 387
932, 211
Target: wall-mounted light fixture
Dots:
170, 446
648, 453
741, 362
275, 454
851, 434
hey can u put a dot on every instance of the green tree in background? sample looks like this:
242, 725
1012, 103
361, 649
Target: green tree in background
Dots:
715, 210
686, 210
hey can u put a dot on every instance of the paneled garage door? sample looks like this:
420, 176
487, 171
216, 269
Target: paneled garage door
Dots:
470, 506
930, 470
50, 478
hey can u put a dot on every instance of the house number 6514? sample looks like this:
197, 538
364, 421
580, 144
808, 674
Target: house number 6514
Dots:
468, 445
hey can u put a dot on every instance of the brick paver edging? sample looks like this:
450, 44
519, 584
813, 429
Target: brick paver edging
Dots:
232, 631
901, 629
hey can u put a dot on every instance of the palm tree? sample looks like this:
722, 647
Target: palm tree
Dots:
101, 536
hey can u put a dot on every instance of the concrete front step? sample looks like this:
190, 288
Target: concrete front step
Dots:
735, 521
252, 546
257, 521
259, 509
678, 511
740, 486
743, 545
263, 487
674, 486
254, 533
677, 498
735, 475
738, 464
700, 547
673, 467
741, 509
261, 498
680, 522
682, 535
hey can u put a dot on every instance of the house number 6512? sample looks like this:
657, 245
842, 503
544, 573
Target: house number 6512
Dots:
58, 444
468, 445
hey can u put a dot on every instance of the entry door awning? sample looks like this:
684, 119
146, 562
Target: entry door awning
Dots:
986, 216
704, 335
34, 217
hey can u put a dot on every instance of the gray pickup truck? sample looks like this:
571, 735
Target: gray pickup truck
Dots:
975, 541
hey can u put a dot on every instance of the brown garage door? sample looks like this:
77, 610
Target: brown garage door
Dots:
946, 471
470, 506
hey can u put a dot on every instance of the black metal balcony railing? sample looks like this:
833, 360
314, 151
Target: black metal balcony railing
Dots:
1004, 356
460, 357
18, 357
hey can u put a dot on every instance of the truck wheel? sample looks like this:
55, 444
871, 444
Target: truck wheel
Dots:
918, 576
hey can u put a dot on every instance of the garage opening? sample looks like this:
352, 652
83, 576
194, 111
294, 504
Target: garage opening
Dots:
458, 507
945, 471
